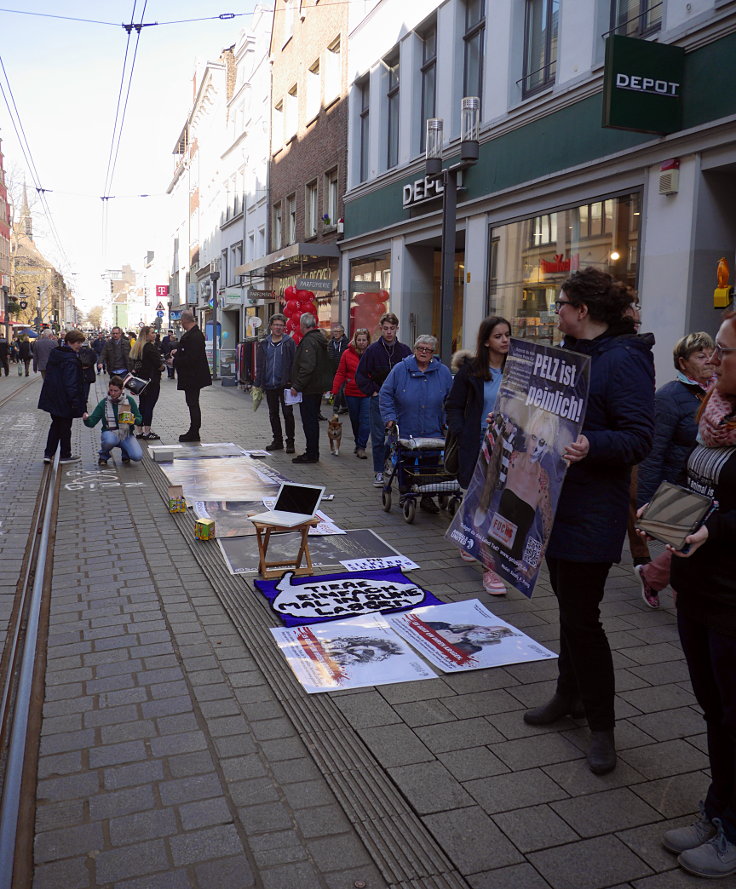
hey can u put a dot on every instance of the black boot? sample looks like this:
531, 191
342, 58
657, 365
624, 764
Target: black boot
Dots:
602, 752
557, 707
275, 446
189, 436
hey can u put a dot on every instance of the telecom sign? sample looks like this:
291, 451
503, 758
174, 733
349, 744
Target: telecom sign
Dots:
643, 85
162, 290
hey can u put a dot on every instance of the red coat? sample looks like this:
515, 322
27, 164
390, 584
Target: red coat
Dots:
345, 373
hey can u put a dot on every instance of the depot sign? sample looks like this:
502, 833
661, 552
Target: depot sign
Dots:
643, 85
420, 191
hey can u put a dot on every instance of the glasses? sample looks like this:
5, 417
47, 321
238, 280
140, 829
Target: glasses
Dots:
559, 303
720, 351
424, 349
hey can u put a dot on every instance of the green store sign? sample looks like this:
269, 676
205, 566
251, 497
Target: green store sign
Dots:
643, 85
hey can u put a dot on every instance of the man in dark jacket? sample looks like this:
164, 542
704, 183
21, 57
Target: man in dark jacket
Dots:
62, 396
374, 367
193, 372
98, 344
335, 347
274, 360
311, 375
116, 355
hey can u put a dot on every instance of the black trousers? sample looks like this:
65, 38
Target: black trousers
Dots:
274, 400
585, 664
59, 433
309, 410
148, 399
195, 414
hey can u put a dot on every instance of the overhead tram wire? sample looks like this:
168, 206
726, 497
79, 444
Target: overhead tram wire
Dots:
223, 16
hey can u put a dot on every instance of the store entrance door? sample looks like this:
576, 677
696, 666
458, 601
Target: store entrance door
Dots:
457, 299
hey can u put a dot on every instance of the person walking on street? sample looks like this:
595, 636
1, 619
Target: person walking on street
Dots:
471, 399
375, 365
24, 351
336, 347
98, 344
192, 370
148, 365
42, 348
357, 401
274, 361
4, 355
116, 355
590, 525
62, 396
311, 375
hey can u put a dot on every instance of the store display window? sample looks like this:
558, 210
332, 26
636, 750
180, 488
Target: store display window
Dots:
529, 259
370, 293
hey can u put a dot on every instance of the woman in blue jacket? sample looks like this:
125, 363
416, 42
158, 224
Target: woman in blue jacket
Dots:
413, 396
590, 525
62, 396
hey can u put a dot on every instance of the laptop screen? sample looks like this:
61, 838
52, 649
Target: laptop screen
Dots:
298, 498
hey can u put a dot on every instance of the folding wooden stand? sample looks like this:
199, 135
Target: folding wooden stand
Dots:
267, 569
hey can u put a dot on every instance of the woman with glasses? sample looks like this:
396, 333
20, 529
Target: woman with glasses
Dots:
705, 581
414, 397
471, 399
590, 525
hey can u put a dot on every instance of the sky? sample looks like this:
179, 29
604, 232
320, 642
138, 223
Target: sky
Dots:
65, 78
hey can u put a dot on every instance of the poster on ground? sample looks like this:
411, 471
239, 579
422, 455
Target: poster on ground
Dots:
505, 518
241, 553
231, 517
318, 598
466, 636
355, 653
190, 450
231, 478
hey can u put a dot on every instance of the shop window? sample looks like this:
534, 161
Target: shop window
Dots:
473, 38
370, 288
636, 18
529, 259
291, 219
540, 45
310, 209
330, 216
251, 246
277, 131
429, 81
392, 103
313, 91
333, 72
365, 98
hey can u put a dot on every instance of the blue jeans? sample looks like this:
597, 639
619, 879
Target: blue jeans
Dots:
359, 410
378, 435
711, 660
129, 446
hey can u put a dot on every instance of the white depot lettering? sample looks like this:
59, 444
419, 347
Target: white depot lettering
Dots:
421, 190
647, 85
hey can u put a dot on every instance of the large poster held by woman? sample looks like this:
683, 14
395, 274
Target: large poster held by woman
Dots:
506, 515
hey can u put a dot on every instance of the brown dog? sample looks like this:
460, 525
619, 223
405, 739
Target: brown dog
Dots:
334, 434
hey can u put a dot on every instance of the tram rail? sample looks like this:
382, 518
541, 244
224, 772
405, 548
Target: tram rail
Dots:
22, 670
17, 391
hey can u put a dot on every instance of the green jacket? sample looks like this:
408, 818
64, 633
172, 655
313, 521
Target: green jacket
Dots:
99, 414
312, 371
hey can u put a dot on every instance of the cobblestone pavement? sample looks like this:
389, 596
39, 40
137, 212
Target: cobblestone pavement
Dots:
178, 751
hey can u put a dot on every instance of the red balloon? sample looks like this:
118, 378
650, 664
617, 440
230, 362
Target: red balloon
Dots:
304, 296
380, 308
297, 337
311, 308
362, 299
292, 325
383, 294
290, 292
291, 308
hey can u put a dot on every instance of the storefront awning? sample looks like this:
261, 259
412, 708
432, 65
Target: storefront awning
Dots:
289, 259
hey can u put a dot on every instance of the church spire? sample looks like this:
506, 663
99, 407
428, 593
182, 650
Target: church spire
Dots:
25, 214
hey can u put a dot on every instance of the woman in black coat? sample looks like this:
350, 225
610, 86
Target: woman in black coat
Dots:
62, 396
471, 399
148, 365
590, 525
192, 371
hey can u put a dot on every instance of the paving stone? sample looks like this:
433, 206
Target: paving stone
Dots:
265, 817
142, 826
170, 745
668, 758
676, 795
576, 778
68, 841
290, 876
67, 787
516, 790
52, 815
459, 734
190, 763
429, 787
61, 764
202, 845
366, 709
535, 827
188, 789
116, 754
254, 790
71, 874
307, 794
170, 880
395, 745
205, 813
660, 697
128, 731
322, 821
472, 840
472, 762
121, 802
543, 749
673, 723
605, 812
332, 853
138, 773
229, 873
517, 876
131, 861
570, 866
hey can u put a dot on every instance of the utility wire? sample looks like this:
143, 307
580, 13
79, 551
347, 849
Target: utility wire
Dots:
224, 16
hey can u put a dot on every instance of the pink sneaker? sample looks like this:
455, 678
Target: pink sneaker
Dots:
493, 584
648, 593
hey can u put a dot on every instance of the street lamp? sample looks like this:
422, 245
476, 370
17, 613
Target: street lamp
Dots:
214, 278
469, 136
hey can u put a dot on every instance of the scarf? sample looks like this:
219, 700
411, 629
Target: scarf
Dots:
111, 420
717, 420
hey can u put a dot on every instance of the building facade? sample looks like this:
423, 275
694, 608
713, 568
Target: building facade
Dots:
553, 189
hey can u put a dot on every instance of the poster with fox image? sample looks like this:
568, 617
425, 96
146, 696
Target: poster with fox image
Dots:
506, 516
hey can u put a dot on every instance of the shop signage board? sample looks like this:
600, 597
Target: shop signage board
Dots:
192, 294
365, 286
421, 190
643, 85
162, 290
322, 284
232, 299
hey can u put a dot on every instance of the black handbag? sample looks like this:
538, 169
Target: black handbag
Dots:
452, 453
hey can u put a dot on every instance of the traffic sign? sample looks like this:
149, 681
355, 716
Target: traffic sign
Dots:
159, 314
160, 307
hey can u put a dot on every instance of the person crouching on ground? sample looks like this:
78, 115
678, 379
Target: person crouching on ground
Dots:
116, 431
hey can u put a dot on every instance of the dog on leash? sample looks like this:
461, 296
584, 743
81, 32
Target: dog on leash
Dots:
334, 434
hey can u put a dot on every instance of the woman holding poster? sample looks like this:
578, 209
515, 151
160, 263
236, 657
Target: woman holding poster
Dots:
471, 399
590, 526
